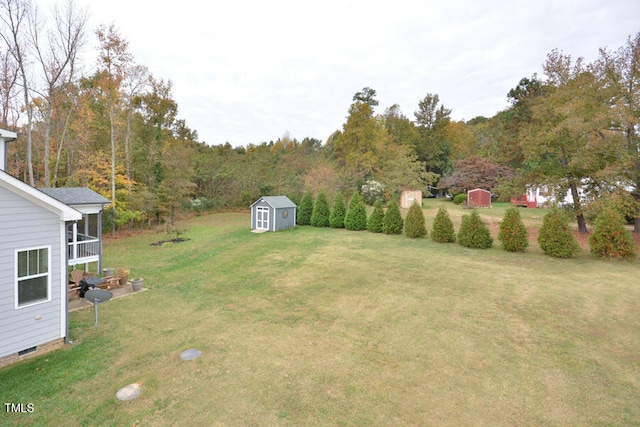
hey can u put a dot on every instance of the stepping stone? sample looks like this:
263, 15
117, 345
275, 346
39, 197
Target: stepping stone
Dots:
129, 392
190, 354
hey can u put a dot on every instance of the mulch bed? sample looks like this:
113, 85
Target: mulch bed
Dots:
176, 240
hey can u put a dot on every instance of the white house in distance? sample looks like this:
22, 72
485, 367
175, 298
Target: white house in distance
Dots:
34, 257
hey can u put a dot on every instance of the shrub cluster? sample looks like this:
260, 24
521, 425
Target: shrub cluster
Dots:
356, 217
513, 234
305, 210
414, 222
320, 214
392, 223
336, 219
374, 223
460, 199
556, 238
474, 233
443, 231
610, 238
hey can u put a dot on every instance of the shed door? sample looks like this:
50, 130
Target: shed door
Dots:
262, 218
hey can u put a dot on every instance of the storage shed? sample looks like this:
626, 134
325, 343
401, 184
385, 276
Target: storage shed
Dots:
479, 198
408, 197
273, 213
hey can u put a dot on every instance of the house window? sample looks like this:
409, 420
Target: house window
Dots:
32, 276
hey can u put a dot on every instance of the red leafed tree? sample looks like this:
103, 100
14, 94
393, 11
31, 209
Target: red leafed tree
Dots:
474, 172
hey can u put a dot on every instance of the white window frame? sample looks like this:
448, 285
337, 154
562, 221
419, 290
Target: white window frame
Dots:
46, 274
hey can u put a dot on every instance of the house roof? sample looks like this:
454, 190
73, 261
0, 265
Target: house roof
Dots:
66, 212
76, 196
276, 202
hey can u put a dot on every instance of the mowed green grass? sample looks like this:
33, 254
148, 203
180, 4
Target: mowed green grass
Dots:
331, 327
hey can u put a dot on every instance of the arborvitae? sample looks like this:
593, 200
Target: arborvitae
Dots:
305, 210
320, 215
414, 223
555, 237
374, 222
610, 238
392, 222
474, 233
336, 219
443, 231
513, 233
356, 217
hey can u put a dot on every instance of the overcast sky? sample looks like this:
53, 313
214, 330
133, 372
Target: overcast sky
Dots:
250, 71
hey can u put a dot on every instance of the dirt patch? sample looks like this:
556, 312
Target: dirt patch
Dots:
176, 240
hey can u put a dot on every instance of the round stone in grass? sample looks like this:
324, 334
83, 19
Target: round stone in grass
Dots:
129, 392
190, 354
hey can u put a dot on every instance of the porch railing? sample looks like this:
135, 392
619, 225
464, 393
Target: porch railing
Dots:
84, 247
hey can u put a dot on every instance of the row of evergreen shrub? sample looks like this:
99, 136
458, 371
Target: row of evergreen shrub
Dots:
610, 238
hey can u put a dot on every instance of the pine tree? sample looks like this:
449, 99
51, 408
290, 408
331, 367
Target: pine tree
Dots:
374, 223
414, 223
306, 210
610, 238
513, 233
443, 231
392, 223
336, 219
320, 215
555, 237
474, 233
356, 217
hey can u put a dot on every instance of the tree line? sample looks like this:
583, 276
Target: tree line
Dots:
574, 130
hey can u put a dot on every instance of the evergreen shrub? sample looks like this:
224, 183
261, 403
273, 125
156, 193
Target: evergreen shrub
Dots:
414, 222
356, 217
320, 215
474, 232
513, 234
305, 210
392, 223
374, 222
336, 219
610, 238
556, 238
443, 231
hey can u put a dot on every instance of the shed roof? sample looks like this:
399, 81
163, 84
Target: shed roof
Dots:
276, 202
76, 196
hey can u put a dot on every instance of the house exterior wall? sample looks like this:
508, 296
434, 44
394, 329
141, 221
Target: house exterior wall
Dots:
25, 225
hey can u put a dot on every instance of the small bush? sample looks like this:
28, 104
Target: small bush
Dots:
556, 238
320, 215
474, 233
305, 210
336, 219
443, 231
356, 217
392, 222
460, 199
374, 223
414, 223
610, 238
513, 233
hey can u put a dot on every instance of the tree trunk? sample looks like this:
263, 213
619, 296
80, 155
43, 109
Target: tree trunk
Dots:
582, 223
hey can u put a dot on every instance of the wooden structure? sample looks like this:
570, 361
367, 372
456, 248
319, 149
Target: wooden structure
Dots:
479, 198
273, 213
408, 197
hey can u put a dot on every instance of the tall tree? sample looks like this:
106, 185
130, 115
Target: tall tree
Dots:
15, 17
113, 60
57, 54
622, 73
366, 96
432, 120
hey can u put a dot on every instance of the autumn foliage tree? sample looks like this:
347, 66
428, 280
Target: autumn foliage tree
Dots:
474, 172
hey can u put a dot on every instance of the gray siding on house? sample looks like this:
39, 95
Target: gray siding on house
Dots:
278, 220
25, 225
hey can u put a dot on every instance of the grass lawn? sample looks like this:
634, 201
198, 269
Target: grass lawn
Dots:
331, 327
